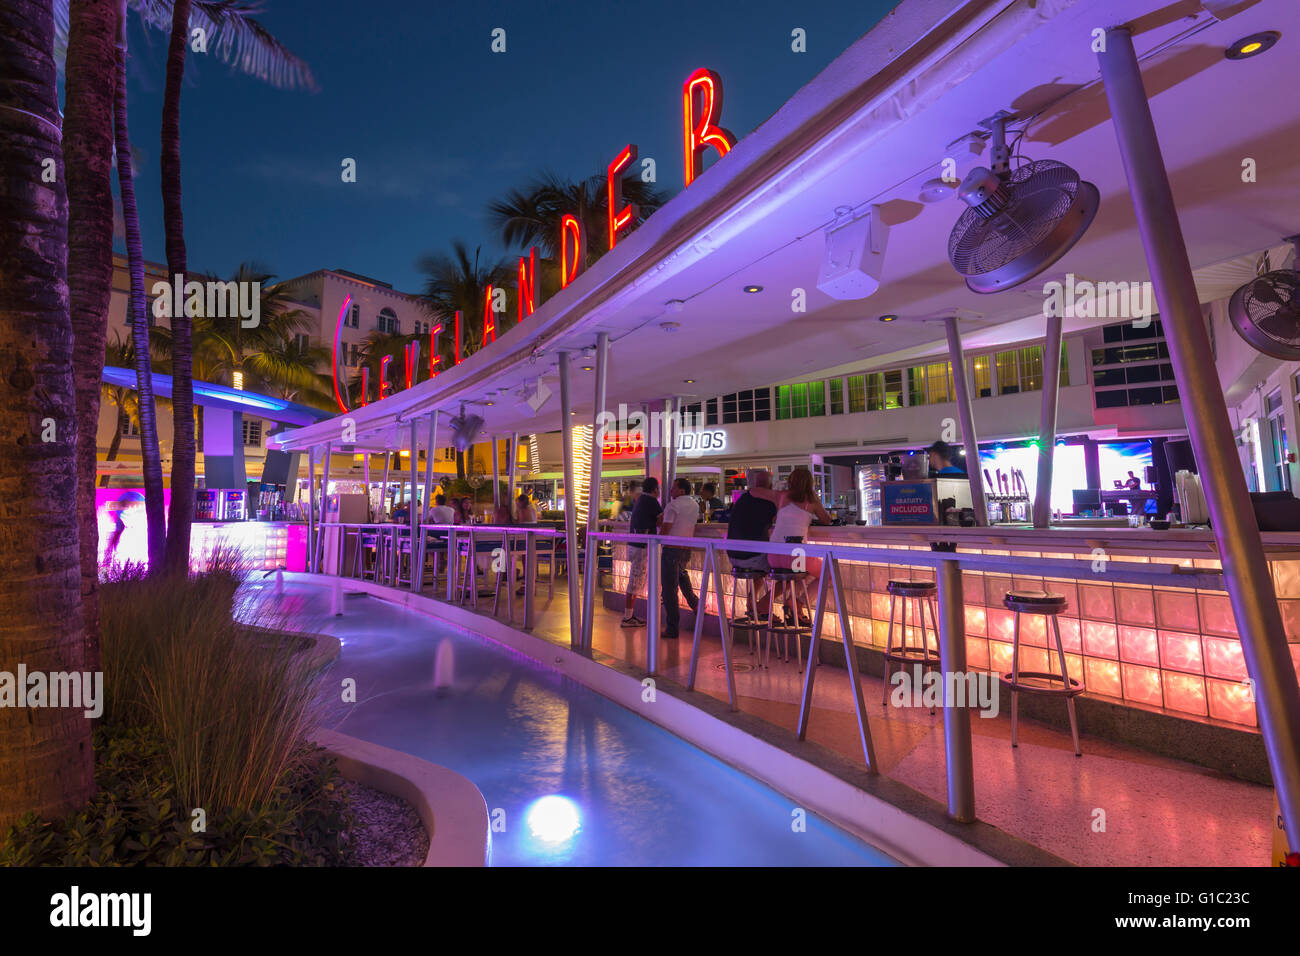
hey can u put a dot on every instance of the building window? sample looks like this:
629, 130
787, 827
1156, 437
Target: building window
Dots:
354, 318
711, 412
857, 393
817, 398
387, 322
129, 428
252, 432
981, 376
836, 386
1132, 357
301, 342
916, 385
938, 383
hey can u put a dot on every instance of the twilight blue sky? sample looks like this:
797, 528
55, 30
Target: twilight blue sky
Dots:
439, 125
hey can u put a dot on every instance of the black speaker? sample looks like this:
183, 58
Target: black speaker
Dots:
1152, 476
1178, 452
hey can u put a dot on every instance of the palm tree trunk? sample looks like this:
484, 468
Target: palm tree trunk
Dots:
45, 751
151, 461
88, 161
183, 449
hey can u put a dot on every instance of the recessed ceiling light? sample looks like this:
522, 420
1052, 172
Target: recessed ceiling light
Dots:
491, 403
689, 381
670, 326
587, 368
1252, 45
888, 318
751, 289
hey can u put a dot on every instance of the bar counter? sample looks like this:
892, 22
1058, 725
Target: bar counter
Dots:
1172, 649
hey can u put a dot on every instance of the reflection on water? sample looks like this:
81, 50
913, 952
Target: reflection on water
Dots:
569, 776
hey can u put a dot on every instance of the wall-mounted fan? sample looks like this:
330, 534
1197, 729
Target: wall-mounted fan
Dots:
464, 429
1266, 311
1020, 220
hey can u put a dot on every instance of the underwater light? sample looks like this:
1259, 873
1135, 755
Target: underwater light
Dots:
553, 819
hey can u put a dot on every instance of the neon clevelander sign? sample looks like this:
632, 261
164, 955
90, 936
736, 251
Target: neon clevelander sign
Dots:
701, 113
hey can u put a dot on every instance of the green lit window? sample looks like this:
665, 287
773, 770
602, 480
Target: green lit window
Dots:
857, 393
836, 386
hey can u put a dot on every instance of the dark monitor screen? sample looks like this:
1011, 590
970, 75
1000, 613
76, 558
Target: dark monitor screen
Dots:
1086, 499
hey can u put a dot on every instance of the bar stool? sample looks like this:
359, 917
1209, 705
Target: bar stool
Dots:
1046, 683
745, 580
367, 547
921, 596
402, 558
783, 583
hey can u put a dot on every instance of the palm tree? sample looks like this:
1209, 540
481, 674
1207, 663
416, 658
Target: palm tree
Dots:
457, 284
121, 355
151, 460
288, 369
45, 751
240, 39
531, 216
90, 68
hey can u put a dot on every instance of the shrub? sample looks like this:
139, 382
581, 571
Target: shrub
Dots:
137, 818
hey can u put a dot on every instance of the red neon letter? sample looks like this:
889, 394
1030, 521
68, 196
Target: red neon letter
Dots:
412, 361
526, 290
572, 235
383, 377
700, 130
434, 358
457, 336
334, 362
489, 321
365, 385
619, 218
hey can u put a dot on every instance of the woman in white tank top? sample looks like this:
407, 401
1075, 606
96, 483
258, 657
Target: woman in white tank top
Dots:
799, 509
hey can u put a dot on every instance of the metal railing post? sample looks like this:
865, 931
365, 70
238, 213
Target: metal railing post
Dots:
313, 529
1236, 531
952, 667
530, 576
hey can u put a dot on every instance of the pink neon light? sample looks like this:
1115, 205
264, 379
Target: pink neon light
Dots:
334, 363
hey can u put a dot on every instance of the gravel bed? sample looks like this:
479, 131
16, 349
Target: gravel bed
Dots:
387, 830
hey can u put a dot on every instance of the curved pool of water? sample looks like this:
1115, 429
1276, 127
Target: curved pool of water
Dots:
569, 776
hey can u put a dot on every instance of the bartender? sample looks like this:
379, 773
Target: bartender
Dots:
941, 461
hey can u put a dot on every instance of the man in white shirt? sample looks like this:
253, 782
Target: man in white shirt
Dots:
441, 512
679, 521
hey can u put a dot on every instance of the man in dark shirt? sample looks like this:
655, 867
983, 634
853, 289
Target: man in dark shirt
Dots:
710, 502
646, 513
751, 520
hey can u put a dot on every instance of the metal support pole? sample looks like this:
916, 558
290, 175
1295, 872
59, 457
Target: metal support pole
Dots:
1047, 425
496, 477
383, 490
667, 437
570, 508
956, 718
324, 505
645, 450
365, 478
652, 557
593, 495
313, 529
414, 507
428, 460
675, 438
512, 472
967, 421
1245, 570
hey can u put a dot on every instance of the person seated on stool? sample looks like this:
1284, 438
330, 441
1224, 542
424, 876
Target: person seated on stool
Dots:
800, 508
751, 520
679, 521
